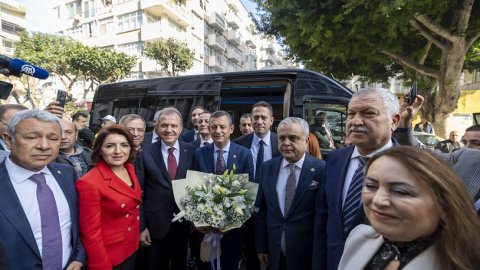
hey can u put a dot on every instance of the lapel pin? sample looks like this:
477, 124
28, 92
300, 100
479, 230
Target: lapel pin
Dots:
312, 169
184, 150
234, 156
59, 172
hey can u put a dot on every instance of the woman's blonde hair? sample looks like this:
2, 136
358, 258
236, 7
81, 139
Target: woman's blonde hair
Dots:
457, 239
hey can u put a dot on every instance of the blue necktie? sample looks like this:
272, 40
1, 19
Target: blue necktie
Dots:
51, 233
258, 165
354, 196
220, 167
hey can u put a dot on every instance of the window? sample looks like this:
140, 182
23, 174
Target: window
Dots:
74, 8
56, 11
130, 21
89, 8
8, 46
75, 33
106, 26
121, 1
11, 28
132, 49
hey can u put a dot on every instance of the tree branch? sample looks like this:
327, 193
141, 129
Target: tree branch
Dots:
426, 50
405, 61
472, 40
464, 16
435, 28
431, 38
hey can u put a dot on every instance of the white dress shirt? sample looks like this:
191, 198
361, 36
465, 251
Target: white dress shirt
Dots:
282, 180
203, 141
353, 165
155, 137
267, 149
176, 152
27, 195
226, 149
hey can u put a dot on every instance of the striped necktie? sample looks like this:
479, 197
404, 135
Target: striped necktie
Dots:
354, 195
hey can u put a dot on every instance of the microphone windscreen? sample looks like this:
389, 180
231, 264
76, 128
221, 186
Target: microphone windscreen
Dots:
20, 66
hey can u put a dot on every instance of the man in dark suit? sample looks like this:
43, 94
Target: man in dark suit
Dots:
163, 162
215, 158
373, 115
286, 200
7, 111
39, 213
263, 145
192, 135
203, 130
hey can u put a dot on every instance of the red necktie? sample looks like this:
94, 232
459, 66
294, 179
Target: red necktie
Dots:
172, 164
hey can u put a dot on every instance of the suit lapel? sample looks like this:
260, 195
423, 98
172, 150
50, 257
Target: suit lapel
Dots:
208, 158
158, 158
182, 159
271, 182
13, 211
342, 167
274, 142
232, 156
117, 184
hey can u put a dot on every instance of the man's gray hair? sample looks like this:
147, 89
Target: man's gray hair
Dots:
40, 115
168, 110
298, 121
390, 101
220, 113
130, 117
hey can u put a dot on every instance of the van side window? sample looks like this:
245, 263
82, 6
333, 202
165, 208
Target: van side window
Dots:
327, 121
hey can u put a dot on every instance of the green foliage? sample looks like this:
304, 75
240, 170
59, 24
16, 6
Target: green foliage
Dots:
172, 55
71, 60
345, 37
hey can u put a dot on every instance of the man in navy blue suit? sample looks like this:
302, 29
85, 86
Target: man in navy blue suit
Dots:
286, 200
263, 145
161, 163
39, 213
373, 114
210, 159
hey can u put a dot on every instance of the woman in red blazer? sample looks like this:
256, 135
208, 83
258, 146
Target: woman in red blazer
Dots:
109, 200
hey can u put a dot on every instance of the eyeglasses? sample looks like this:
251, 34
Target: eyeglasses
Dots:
3, 122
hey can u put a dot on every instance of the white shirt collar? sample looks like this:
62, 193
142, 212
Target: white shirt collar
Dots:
22, 174
299, 163
265, 139
165, 147
226, 148
356, 153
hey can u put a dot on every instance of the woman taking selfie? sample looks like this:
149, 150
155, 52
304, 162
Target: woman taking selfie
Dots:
420, 215
109, 199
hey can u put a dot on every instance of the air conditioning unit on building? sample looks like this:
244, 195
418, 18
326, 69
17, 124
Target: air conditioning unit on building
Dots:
77, 18
201, 55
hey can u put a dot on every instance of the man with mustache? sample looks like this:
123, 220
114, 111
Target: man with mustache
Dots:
373, 115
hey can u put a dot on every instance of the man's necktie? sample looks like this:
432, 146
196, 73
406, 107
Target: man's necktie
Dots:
354, 195
258, 165
290, 188
220, 166
51, 232
172, 164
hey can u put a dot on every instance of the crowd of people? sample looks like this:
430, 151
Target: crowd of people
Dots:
72, 199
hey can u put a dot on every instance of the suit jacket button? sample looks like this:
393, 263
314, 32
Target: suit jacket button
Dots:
138, 217
129, 229
138, 206
127, 215
122, 205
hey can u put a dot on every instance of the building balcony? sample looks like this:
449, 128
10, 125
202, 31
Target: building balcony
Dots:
234, 55
101, 40
216, 41
233, 38
217, 21
249, 43
216, 62
232, 21
167, 8
268, 47
197, 9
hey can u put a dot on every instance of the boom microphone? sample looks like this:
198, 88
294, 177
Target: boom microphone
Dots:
17, 66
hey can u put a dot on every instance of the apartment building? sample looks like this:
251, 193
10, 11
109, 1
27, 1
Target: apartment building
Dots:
220, 32
12, 16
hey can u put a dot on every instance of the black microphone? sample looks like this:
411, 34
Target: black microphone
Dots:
18, 67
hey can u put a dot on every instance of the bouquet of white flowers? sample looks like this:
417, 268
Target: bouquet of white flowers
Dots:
222, 202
